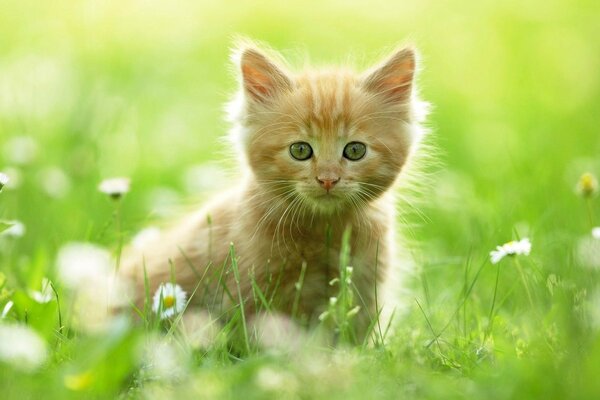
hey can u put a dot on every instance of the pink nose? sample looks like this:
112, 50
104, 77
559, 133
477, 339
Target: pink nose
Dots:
328, 183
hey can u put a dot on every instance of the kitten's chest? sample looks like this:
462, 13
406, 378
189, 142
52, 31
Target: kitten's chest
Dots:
306, 272
315, 256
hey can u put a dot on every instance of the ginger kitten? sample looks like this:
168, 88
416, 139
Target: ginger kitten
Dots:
322, 150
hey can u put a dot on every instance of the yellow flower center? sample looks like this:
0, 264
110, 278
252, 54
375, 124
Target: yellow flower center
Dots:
169, 301
587, 184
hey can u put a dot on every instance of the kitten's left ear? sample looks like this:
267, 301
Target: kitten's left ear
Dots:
393, 79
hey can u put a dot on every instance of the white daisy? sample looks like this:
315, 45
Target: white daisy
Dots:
3, 180
512, 248
596, 232
115, 187
173, 300
45, 295
21, 347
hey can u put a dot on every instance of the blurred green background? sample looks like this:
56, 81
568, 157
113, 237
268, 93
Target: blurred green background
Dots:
136, 88
94, 89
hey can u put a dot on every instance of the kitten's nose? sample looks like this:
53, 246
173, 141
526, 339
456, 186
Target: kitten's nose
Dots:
327, 182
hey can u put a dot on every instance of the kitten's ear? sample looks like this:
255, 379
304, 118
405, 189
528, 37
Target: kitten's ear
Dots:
262, 79
393, 79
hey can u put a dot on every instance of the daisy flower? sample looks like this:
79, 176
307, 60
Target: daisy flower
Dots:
512, 248
596, 232
169, 300
3, 180
587, 186
115, 187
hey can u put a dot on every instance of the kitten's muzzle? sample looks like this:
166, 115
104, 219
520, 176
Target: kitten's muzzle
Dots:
327, 183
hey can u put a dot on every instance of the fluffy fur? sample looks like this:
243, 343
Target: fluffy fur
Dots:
282, 216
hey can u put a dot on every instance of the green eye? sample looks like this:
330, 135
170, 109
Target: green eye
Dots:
301, 151
355, 151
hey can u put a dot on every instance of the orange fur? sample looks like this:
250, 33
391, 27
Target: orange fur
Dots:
280, 217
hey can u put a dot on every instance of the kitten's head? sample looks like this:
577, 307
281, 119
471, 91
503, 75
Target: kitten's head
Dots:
326, 138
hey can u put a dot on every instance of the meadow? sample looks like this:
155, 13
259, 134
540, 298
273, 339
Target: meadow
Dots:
91, 90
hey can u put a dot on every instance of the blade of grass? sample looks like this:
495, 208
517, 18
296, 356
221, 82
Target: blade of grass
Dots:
236, 276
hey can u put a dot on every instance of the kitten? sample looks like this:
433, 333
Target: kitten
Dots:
321, 151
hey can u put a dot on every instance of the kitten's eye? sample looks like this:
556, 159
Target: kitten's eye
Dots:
301, 151
355, 151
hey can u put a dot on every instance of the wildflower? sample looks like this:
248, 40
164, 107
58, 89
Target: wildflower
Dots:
7, 307
587, 186
16, 229
21, 347
596, 232
115, 187
512, 248
333, 301
169, 300
3, 180
45, 295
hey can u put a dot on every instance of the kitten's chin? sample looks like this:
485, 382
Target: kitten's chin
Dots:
325, 203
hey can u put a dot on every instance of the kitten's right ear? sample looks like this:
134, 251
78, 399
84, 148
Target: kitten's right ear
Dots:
262, 79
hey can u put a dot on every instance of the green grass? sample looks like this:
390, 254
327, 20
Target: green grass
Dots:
136, 89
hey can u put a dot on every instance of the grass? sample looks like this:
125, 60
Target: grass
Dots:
136, 89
